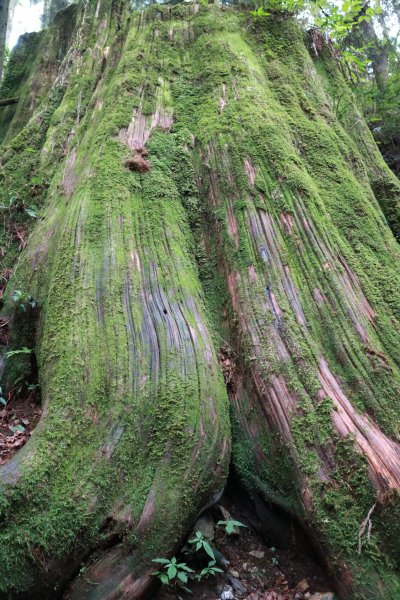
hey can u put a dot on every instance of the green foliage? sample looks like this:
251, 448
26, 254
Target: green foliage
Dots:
16, 428
334, 20
275, 7
15, 205
174, 573
210, 569
230, 525
338, 20
23, 305
381, 107
17, 296
200, 542
260, 12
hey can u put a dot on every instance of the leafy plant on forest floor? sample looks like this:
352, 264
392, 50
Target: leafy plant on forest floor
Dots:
200, 542
231, 525
177, 575
210, 569
174, 573
23, 304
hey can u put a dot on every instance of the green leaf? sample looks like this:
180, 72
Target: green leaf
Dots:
208, 549
20, 428
162, 561
31, 213
216, 570
183, 577
172, 571
3, 400
186, 568
164, 578
238, 524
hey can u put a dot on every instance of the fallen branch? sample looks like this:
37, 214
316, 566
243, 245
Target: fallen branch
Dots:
363, 526
8, 101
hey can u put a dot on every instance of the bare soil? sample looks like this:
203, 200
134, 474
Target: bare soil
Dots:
18, 418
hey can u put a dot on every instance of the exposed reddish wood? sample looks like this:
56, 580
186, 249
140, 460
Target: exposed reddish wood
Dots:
140, 127
250, 171
382, 453
232, 225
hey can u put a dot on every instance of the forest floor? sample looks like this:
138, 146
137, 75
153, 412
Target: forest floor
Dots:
19, 415
259, 562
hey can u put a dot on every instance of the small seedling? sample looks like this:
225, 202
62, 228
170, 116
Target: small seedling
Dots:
260, 12
31, 212
230, 525
17, 296
32, 387
30, 301
210, 569
200, 542
174, 573
16, 428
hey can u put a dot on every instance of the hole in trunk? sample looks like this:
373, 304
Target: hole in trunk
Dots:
269, 558
20, 412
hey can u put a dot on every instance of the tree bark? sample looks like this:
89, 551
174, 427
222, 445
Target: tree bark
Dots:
363, 36
4, 10
51, 8
169, 136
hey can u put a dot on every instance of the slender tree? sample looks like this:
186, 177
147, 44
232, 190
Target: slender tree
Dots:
4, 10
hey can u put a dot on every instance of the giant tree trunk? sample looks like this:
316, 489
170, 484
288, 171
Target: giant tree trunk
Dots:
193, 133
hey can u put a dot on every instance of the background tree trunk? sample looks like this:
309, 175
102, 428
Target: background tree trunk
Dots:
185, 133
4, 10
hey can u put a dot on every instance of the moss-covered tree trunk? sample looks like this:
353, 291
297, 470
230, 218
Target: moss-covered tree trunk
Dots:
206, 191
